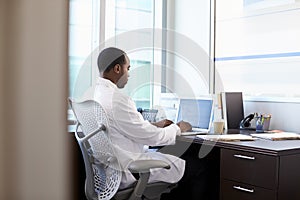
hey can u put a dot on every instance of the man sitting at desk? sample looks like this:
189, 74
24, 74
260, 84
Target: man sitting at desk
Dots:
129, 132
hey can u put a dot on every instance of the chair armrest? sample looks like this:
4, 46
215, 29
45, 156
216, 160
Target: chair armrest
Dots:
141, 166
89, 135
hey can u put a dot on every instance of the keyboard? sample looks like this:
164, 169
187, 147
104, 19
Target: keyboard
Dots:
196, 131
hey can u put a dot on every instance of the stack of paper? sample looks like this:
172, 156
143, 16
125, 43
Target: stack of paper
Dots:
227, 137
278, 136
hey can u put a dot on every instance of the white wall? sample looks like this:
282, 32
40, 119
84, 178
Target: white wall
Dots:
285, 116
255, 29
33, 76
246, 30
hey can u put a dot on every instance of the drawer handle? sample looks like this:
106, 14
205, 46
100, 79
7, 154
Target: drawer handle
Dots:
243, 189
244, 157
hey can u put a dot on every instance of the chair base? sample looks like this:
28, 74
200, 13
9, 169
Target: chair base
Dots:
153, 191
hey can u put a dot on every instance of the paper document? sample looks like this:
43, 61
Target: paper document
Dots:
278, 136
227, 137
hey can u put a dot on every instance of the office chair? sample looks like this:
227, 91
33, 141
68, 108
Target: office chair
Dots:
103, 171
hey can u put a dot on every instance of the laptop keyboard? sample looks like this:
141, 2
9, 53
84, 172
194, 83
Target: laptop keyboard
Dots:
194, 133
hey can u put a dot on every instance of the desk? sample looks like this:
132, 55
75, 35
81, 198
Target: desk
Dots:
273, 174
261, 169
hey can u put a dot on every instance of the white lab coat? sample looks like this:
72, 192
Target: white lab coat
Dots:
130, 133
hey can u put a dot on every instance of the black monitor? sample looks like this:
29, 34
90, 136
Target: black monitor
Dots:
233, 109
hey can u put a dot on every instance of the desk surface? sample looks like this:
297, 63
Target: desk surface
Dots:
279, 148
283, 147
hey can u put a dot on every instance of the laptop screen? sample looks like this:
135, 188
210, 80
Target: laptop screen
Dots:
198, 112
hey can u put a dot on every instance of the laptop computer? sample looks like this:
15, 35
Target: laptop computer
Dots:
198, 112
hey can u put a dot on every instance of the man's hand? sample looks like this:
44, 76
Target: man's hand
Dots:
184, 126
162, 123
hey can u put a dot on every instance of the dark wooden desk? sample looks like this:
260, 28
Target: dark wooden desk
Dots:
261, 169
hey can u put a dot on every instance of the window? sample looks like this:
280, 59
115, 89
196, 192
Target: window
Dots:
133, 19
257, 48
165, 40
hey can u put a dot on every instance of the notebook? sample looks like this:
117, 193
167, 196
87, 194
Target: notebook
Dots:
198, 112
278, 136
227, 137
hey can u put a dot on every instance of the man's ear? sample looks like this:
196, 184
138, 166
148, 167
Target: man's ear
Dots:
117, 68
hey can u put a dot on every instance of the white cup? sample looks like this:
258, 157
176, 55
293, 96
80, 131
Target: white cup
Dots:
218, 127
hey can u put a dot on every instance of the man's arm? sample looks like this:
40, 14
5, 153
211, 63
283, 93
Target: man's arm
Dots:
184, 126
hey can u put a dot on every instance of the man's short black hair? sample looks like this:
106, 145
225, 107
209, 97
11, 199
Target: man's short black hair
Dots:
110, 57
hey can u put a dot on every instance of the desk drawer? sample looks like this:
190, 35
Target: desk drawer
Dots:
236, 191
250, 168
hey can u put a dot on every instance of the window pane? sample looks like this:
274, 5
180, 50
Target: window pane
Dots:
189, 60
83, 38
135, 15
